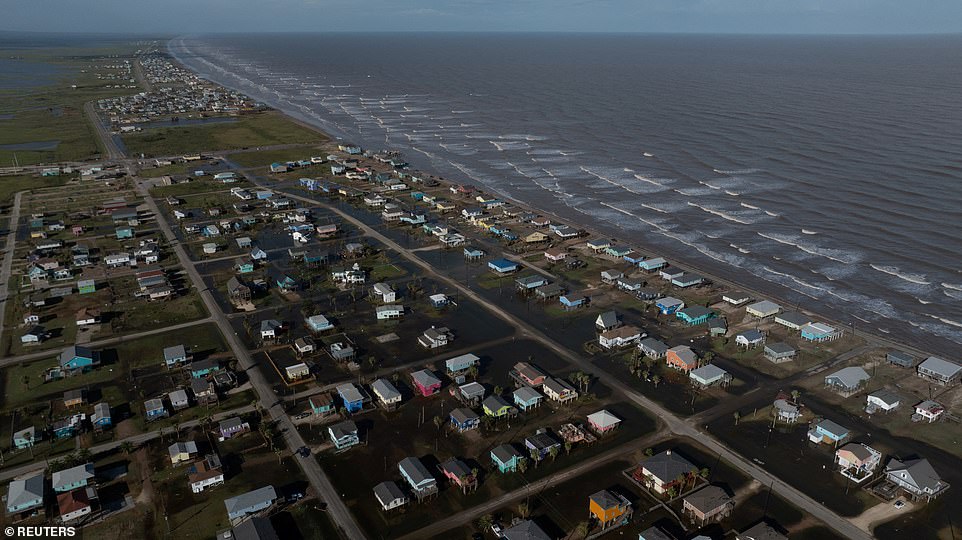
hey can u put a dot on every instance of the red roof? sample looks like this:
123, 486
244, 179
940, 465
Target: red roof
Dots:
72, 501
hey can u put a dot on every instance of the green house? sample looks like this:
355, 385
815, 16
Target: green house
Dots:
497, 407
86, 286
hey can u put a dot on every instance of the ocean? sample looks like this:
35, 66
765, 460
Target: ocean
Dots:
824, 170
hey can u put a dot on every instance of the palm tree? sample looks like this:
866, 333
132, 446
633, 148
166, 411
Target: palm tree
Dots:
485, 522
472, 372
535, 456
649, 452
645, 374
704, 472
737, 416
523, 510
656, 379
568, 446
437, 422
795, 395
553, 452
126, 447
498, 390
522, 464
582, 529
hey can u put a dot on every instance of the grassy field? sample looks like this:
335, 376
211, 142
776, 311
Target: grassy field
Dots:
54, 113
12, 184
261, 129
202, 339
263, 158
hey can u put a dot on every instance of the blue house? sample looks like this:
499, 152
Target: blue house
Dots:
502, 266
77, 357
461, 363
286, 283
101, 417
124, 232
633, 257
417, 195
827, 432
318, 323
652, 264
464, 419
351, 396
695, 314
669, 305
527, 398
573, 300
250, 502
818, 332
64, 428
505, 458
72, 478
245, 267
154, 408
473, 253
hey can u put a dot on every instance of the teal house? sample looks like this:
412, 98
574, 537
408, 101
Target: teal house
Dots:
26, 493
693, 315
77, 357
322, 404
505, 458
25, 438
124, 232
86, 286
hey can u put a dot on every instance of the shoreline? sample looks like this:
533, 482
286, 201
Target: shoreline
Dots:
649, 251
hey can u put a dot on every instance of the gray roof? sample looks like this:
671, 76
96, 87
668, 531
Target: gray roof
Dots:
761, 531
752, 335
708, 499
505, 452
667, 466
495, 402
557, 386
603, 419
785, 406
174, 353
887, 396
525, 530
73, 475
256, 528
832, 427
270, 324
696, 311
849, 377
252, 498
918, 472
653, 533
26, 490
765, 306
708, 372
425, 378
415, 470
463, 414
940, 366
385, 389
794, 317
387, 492
349, 392
177, 396
472, 390
189, 447
608, 318
343, 429
457, 467
654, 345
779, 348
526, 393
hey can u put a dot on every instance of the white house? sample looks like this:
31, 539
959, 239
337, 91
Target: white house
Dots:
620, 337
384, 293
928, 410
389, 312
882, 400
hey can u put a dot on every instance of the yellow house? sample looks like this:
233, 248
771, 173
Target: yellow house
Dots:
482, 224
536, 236
608, 508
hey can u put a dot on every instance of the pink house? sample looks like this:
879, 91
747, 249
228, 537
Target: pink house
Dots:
77, 230
426, 383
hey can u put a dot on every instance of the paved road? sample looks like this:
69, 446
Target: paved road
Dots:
51, 353
110, 145
672, 422
135, 440
336, 508
7, 263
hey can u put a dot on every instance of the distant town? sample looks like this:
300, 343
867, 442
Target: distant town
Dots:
223, 323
